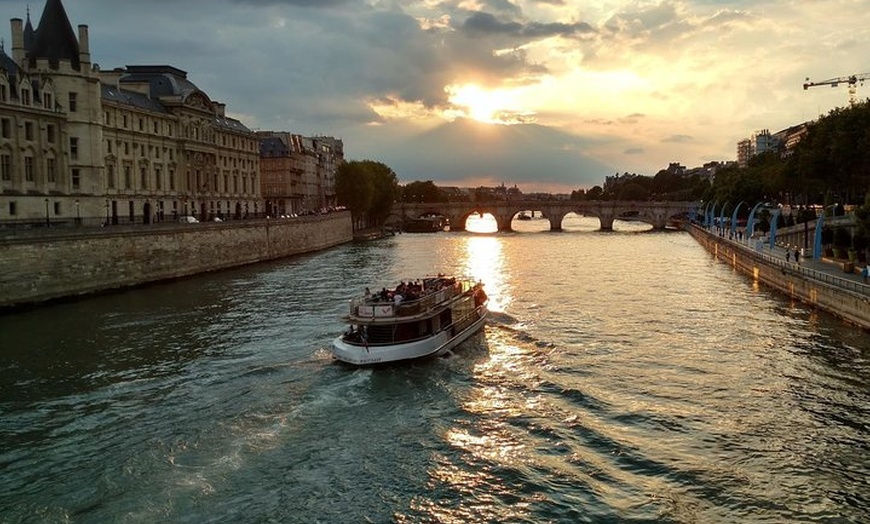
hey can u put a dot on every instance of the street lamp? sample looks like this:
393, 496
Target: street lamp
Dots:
47, 220
78, 214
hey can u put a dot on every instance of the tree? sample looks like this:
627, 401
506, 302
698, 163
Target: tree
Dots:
368, 188
354, 189
420, 192
595, 193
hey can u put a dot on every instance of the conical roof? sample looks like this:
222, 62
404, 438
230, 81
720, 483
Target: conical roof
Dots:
55, 39
28, 33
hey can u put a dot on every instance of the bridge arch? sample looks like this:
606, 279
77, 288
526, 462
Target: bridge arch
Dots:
655, 213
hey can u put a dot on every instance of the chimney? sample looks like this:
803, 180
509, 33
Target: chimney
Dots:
18, 41
84, 45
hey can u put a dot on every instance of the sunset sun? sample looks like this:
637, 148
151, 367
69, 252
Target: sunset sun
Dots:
489, 106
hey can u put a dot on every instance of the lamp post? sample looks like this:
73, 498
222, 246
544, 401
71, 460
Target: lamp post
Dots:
107, 212
47, 220
78, 213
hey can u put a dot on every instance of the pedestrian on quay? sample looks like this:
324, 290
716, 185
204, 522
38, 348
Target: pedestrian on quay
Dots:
787, 255
797, 256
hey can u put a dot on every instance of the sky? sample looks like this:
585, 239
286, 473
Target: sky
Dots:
547, 95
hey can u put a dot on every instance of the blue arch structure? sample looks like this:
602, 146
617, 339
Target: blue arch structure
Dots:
774, 220
734, 218
750, 222
722, 216
817, 237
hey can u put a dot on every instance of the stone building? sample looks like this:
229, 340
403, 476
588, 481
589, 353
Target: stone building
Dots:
298, 173
135, 144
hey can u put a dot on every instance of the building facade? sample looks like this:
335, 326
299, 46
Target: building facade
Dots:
298, 173
135, 144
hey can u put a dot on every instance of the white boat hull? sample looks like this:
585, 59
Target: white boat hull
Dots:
436, 345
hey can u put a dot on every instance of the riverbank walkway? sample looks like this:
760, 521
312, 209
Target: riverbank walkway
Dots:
824, 270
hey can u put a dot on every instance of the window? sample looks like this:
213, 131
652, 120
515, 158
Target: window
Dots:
73, 102
125, 121
172, 180
13, 209
109, 146
6, 168
46, 100
49, 133
4, 92
143, 177
25, 97
128, 177
110, 176
57, 208
76, 179
157, 183
126, 148
74, 148
28, 168
155, 127
28, 130
51, 170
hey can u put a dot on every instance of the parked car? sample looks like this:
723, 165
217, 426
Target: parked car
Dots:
187, 219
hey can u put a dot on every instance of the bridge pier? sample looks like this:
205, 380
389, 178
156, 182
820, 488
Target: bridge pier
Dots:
606, 221
556, 220
504, 222
457, 222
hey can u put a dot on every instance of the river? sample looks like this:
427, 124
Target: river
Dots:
622, 377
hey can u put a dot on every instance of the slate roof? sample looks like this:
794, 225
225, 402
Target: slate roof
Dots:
273, 147
8, 64
131, 98
163, 80
29, 33
54, 38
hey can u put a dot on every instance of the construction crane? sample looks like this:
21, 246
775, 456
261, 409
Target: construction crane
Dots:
852, 81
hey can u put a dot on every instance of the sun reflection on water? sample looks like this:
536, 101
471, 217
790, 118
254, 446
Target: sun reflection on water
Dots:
484, 260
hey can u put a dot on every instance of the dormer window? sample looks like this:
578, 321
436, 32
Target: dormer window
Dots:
25, 97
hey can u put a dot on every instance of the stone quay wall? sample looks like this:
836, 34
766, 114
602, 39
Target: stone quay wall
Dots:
842, 297
44, 265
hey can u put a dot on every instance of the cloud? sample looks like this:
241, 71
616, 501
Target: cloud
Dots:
615, 86
678, 139
516, 154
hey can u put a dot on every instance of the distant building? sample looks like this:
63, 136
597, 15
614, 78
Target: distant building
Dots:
782, 142
298, 173
135, 144
790, 137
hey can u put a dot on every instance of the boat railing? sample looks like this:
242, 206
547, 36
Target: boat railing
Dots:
371, 308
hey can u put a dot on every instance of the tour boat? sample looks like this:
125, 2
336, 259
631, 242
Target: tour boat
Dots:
414, 320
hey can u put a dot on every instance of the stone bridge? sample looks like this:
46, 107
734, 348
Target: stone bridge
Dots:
655, 213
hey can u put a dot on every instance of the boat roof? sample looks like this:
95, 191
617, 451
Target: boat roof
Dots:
426, 306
